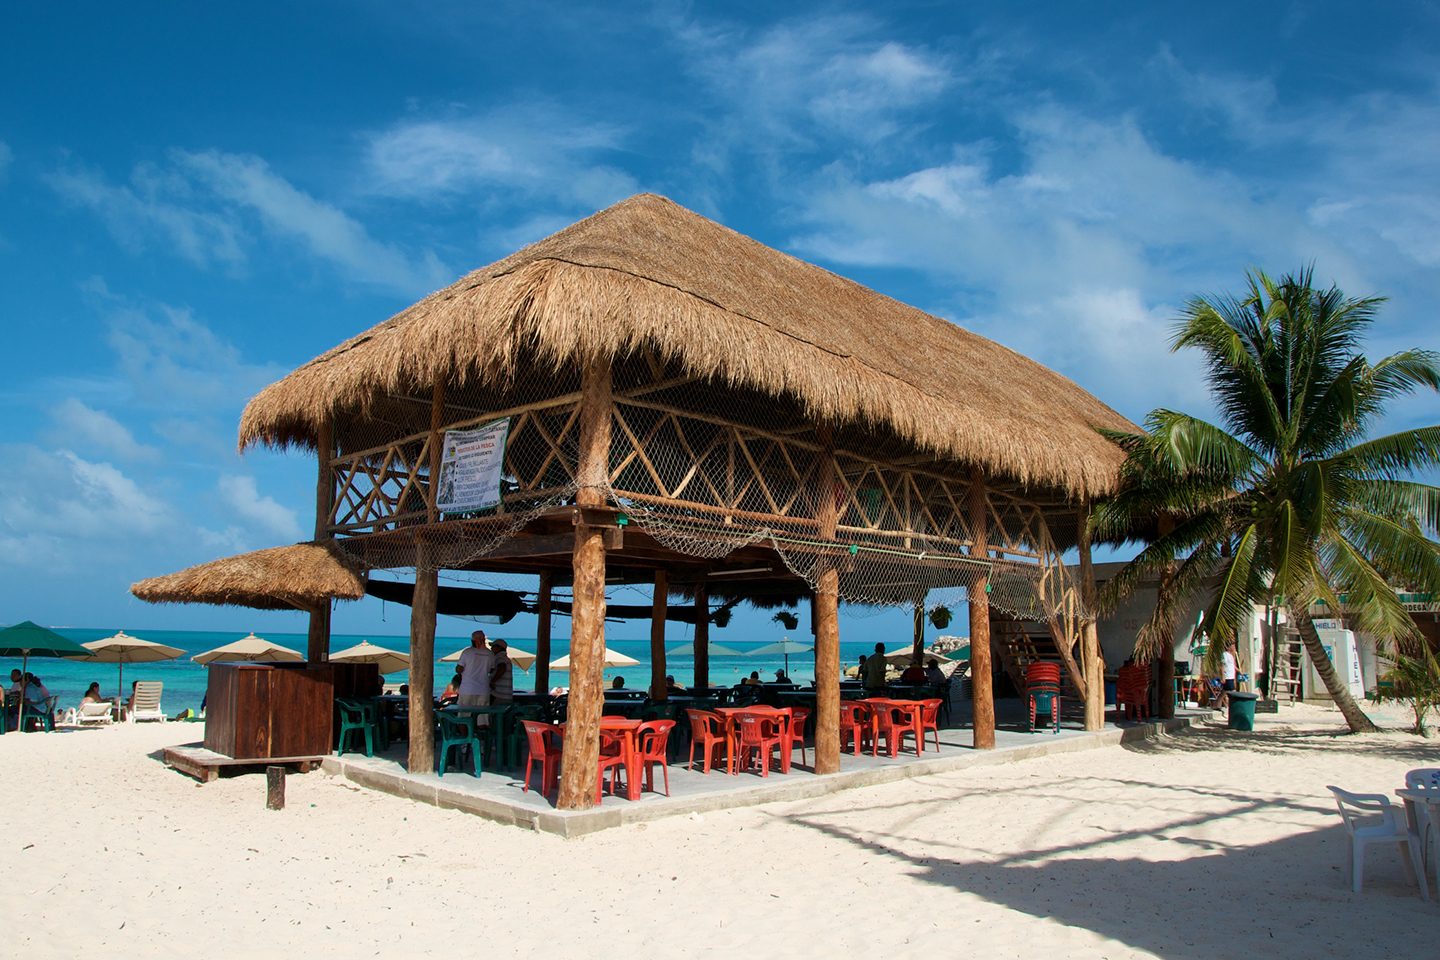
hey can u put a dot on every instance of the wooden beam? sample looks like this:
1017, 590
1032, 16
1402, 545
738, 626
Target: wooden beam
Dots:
437, 424
317, 648
542, 633
580, 762
827, 616
702, 635
658, 689
422, 664
1090, 659
981, 688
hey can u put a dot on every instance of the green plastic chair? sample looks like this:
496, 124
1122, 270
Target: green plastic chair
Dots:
456, 733
354, 720
45, 714
376, 718
514, 737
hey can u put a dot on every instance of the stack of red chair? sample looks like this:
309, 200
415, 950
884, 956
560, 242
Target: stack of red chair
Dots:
1132, 692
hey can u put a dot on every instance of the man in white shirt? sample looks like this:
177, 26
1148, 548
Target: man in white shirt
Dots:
474, 669
502, 677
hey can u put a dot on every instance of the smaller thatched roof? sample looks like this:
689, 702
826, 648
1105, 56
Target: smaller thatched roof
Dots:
301, 577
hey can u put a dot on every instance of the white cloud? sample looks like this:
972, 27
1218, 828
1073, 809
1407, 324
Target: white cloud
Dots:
242, 496
199, 206
79, 425
154, 204
64, 506
327, 232
817, 77
537, 150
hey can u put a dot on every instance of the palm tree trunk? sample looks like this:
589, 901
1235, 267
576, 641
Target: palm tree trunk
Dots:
1354, 716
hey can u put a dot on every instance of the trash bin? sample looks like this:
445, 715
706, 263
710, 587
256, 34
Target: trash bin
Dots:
1242, 711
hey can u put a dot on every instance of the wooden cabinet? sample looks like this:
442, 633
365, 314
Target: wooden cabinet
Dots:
267, 710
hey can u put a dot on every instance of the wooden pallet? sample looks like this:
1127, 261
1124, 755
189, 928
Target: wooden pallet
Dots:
194, 760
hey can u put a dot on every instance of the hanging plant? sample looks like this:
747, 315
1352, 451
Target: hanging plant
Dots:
940, 616
787, 620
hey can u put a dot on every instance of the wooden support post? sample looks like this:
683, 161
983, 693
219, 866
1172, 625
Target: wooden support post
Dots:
827, 616
580, 762
542, 633
422, 662
318, 646
1090, 660
702, 635
274, 788
422, 610
981, 679
658, 689
917, 651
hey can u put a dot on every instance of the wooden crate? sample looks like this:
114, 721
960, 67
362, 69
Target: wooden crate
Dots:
262, 710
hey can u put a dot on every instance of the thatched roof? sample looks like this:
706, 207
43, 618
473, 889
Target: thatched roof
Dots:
650, 273
301, 577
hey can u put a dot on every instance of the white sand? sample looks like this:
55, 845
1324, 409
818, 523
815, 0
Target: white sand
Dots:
1204, 845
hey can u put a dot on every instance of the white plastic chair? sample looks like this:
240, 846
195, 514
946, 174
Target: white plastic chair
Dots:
92, 712
145, 704
1365, 830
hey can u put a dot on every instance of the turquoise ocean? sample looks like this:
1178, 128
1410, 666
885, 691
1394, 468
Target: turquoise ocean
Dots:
185, 680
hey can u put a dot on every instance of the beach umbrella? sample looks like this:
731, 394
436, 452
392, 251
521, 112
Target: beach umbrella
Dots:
389, 661
716, 650
903, 658
520, 658
26, 640
249, 648
121, 649
612, 659
785, 647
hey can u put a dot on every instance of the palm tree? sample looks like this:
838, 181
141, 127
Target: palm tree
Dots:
1288, 500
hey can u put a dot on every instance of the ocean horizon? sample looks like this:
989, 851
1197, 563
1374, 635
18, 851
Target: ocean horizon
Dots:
185, 681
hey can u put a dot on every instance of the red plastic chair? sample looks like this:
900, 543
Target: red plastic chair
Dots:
1042, 683
543, 753
930, 719
1132, 692
854, 725
758, 736
893, 729
612, 758
707, 731
654, 737
798, 716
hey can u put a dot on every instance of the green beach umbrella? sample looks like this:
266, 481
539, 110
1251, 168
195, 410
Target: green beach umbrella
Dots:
785, 647
688, 650
26, 640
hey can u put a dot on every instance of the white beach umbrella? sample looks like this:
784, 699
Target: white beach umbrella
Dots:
784, 647
519, 657
389, 661
612, 659
121, 649
250, 648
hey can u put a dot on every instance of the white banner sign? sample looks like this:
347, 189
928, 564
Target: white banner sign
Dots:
471, 463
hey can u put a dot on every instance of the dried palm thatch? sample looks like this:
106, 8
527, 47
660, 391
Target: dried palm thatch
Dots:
302, 577
648, 274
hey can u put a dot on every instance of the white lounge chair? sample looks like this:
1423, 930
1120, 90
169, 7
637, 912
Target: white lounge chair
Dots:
1364, 830
92, 711
145, 704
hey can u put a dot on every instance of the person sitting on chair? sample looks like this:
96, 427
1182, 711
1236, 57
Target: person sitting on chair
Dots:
933, 674
780, 677
92, 695
751, 681
452, 691
619, 684
913, 675
671, 686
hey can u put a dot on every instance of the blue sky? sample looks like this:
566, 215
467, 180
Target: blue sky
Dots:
195, 199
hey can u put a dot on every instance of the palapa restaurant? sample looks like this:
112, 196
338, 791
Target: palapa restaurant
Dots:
647, 397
